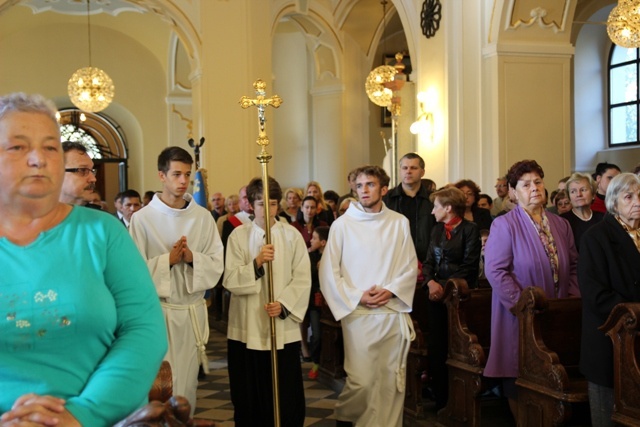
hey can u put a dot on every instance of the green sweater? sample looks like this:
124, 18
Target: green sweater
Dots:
80, 319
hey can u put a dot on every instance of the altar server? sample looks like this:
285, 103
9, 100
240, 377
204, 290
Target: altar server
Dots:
180, 242
368, 276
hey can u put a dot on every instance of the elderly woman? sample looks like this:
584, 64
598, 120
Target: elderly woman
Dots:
562, 202
82, 335
608, 274
526, 247
454, 251
473, 213
581, 217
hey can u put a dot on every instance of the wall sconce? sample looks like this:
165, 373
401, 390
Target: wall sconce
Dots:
423, 124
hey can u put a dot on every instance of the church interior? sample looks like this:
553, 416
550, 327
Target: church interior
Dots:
481, 85
499, 81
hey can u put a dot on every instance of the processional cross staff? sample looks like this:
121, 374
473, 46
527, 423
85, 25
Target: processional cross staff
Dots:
261, 101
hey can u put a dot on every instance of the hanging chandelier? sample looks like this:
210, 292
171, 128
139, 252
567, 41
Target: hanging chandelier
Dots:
623, 24
90, 88
375, 87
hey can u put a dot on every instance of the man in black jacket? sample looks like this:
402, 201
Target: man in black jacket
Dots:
411, 199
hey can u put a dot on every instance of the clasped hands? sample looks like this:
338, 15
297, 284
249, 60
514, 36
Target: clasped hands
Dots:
180, 252
375, 297
32, 410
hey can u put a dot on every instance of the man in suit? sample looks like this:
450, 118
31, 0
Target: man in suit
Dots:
131, 203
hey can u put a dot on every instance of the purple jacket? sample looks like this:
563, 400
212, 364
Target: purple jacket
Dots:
515, 259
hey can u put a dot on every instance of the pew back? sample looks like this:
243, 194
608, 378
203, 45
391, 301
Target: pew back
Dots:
622, 327
469, 315
549, 352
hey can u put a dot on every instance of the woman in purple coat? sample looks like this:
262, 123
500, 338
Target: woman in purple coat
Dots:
527, 247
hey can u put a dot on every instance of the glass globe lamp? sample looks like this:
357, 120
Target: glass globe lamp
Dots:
90, 89
375, 87
623, 24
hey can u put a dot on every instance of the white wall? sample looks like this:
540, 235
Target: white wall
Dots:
590, 92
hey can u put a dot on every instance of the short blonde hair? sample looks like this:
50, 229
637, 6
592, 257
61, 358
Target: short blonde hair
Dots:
451, 196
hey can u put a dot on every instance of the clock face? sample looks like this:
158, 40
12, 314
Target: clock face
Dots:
430, 17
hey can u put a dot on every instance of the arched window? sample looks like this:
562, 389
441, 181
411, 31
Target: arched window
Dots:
624, 101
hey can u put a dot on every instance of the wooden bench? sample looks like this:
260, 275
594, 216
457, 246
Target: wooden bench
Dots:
622, 327
469, 314
164, 409
549, 383
417, 358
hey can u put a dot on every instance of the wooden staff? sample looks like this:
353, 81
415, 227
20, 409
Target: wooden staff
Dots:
261, 101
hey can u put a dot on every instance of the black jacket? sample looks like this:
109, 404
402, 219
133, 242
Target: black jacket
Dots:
608, 274
424, 220
482, 217
458, 257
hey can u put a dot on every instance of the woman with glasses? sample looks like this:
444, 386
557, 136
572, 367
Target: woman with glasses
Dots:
473, 213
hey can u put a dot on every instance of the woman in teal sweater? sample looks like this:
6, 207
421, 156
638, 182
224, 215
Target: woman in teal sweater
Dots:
81, 331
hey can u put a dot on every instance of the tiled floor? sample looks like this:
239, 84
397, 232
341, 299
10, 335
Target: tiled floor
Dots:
214, 401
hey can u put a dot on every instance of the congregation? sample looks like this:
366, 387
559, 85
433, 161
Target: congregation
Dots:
362, 254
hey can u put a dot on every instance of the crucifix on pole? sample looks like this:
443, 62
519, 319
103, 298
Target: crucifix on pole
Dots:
261, 102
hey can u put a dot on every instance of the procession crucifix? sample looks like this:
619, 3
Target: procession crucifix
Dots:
261, 101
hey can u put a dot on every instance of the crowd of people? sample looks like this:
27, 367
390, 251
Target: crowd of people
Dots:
362, 255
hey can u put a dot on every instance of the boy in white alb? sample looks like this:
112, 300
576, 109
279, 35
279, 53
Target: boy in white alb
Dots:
180, 242
368, 277
249, 337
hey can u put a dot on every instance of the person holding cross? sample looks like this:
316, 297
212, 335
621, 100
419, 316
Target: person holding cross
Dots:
250, 310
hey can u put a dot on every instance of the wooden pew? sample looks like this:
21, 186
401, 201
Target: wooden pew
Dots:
622, 327
469, 314
417, 358
331, 349
164, 409
549, 383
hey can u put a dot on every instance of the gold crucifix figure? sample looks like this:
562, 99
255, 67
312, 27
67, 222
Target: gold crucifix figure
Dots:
261, 101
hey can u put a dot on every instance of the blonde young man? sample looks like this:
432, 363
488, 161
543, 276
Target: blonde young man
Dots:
368, 276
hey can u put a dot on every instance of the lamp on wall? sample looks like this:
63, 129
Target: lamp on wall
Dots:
623, 24
90, 88
424, 123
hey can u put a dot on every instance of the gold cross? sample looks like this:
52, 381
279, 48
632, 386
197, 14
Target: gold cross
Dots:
261, 101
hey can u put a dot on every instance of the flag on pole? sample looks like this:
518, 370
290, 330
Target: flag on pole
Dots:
200, 192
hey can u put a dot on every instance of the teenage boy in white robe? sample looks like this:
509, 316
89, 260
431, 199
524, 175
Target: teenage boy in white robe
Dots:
368, 276
180, 242
249, 337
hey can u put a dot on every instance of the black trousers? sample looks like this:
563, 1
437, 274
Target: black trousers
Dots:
438, 345
251, 386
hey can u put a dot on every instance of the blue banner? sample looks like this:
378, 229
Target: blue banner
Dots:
200, 189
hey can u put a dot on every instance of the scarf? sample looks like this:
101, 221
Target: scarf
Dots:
450, 225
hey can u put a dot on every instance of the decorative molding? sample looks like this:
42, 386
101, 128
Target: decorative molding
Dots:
538, 15
75, 7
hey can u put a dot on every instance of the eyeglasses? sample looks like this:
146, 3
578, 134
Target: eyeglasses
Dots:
500, 186
82, 171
